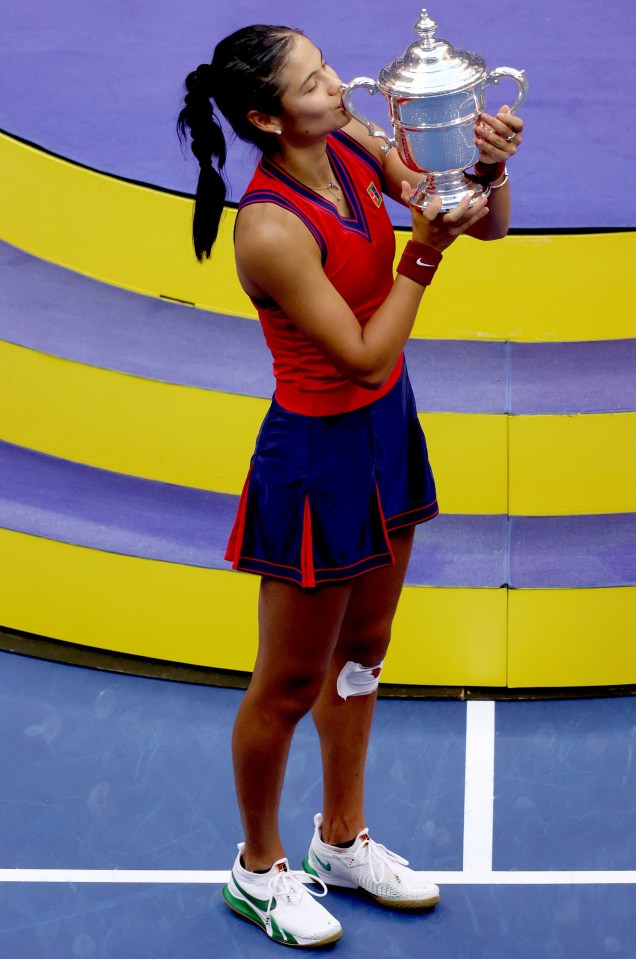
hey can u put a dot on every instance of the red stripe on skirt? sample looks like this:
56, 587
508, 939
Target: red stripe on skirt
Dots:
307, 549
235, 542
383, 521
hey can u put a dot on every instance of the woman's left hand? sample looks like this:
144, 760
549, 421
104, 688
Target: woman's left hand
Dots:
498, 137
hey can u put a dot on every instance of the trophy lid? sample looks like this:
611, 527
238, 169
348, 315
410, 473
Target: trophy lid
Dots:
430, 66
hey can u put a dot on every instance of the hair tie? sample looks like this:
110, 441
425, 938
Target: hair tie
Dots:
199, 82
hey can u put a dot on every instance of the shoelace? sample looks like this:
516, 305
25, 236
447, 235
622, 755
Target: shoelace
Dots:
378, 855
288, 884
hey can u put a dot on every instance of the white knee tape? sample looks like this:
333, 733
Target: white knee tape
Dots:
357, 680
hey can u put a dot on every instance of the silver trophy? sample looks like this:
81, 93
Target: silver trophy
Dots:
435, 93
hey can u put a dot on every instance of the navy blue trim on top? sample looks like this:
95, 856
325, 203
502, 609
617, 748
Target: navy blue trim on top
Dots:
362, 153
356, 224
267, 196
359, 217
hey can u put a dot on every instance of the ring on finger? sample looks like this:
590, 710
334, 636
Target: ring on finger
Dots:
510, 138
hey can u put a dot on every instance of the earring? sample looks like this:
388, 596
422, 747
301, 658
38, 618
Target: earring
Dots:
278, 132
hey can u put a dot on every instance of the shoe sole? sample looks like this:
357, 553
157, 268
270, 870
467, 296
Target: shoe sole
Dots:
245, 911
389, 903
406, 903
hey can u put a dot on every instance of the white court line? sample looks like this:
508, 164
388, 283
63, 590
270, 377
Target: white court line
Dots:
479, 788
556, 878
184, 876
478, 836
115, 875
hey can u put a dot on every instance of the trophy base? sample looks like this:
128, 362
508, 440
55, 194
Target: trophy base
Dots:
450, 188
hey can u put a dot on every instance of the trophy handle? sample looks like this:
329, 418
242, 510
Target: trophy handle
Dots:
373, 88
496, 75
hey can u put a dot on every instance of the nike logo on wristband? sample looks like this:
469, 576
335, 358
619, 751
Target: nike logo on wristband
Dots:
420, 262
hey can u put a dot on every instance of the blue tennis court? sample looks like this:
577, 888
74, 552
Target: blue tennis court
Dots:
118, 823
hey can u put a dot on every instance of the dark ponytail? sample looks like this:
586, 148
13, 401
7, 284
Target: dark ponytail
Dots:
244, 75
207, 145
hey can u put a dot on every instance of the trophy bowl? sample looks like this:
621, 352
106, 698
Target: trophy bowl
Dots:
435, 93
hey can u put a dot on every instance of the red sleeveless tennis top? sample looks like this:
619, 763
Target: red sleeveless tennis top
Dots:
357, 256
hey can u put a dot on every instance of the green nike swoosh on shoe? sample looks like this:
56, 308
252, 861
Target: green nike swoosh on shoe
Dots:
324, 865
263, 904
369, 865
281, 905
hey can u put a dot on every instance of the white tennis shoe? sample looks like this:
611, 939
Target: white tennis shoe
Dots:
370, 866
281, 905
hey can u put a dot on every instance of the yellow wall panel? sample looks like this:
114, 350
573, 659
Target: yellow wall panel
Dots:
139, 238
127, 235
449, 637
468, 453
572, 637
552, 301
446, 637
199, 438
561, 465
208, 617
123, 423
128, 605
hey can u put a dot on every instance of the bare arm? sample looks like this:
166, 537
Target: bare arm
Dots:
492, 133
278, 258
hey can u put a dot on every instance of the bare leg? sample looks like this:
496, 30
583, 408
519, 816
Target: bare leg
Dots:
344, 726
298, 630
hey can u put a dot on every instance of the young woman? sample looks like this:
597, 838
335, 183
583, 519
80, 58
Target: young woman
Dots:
340, 474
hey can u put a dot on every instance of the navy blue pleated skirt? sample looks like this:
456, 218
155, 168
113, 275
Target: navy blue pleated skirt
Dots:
324, 492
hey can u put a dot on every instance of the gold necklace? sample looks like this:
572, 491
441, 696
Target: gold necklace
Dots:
333, 186
334, 189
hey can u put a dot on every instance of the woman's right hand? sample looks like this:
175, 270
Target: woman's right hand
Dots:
438, 229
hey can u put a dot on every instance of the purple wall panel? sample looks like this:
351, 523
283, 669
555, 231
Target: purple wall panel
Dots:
101, 84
